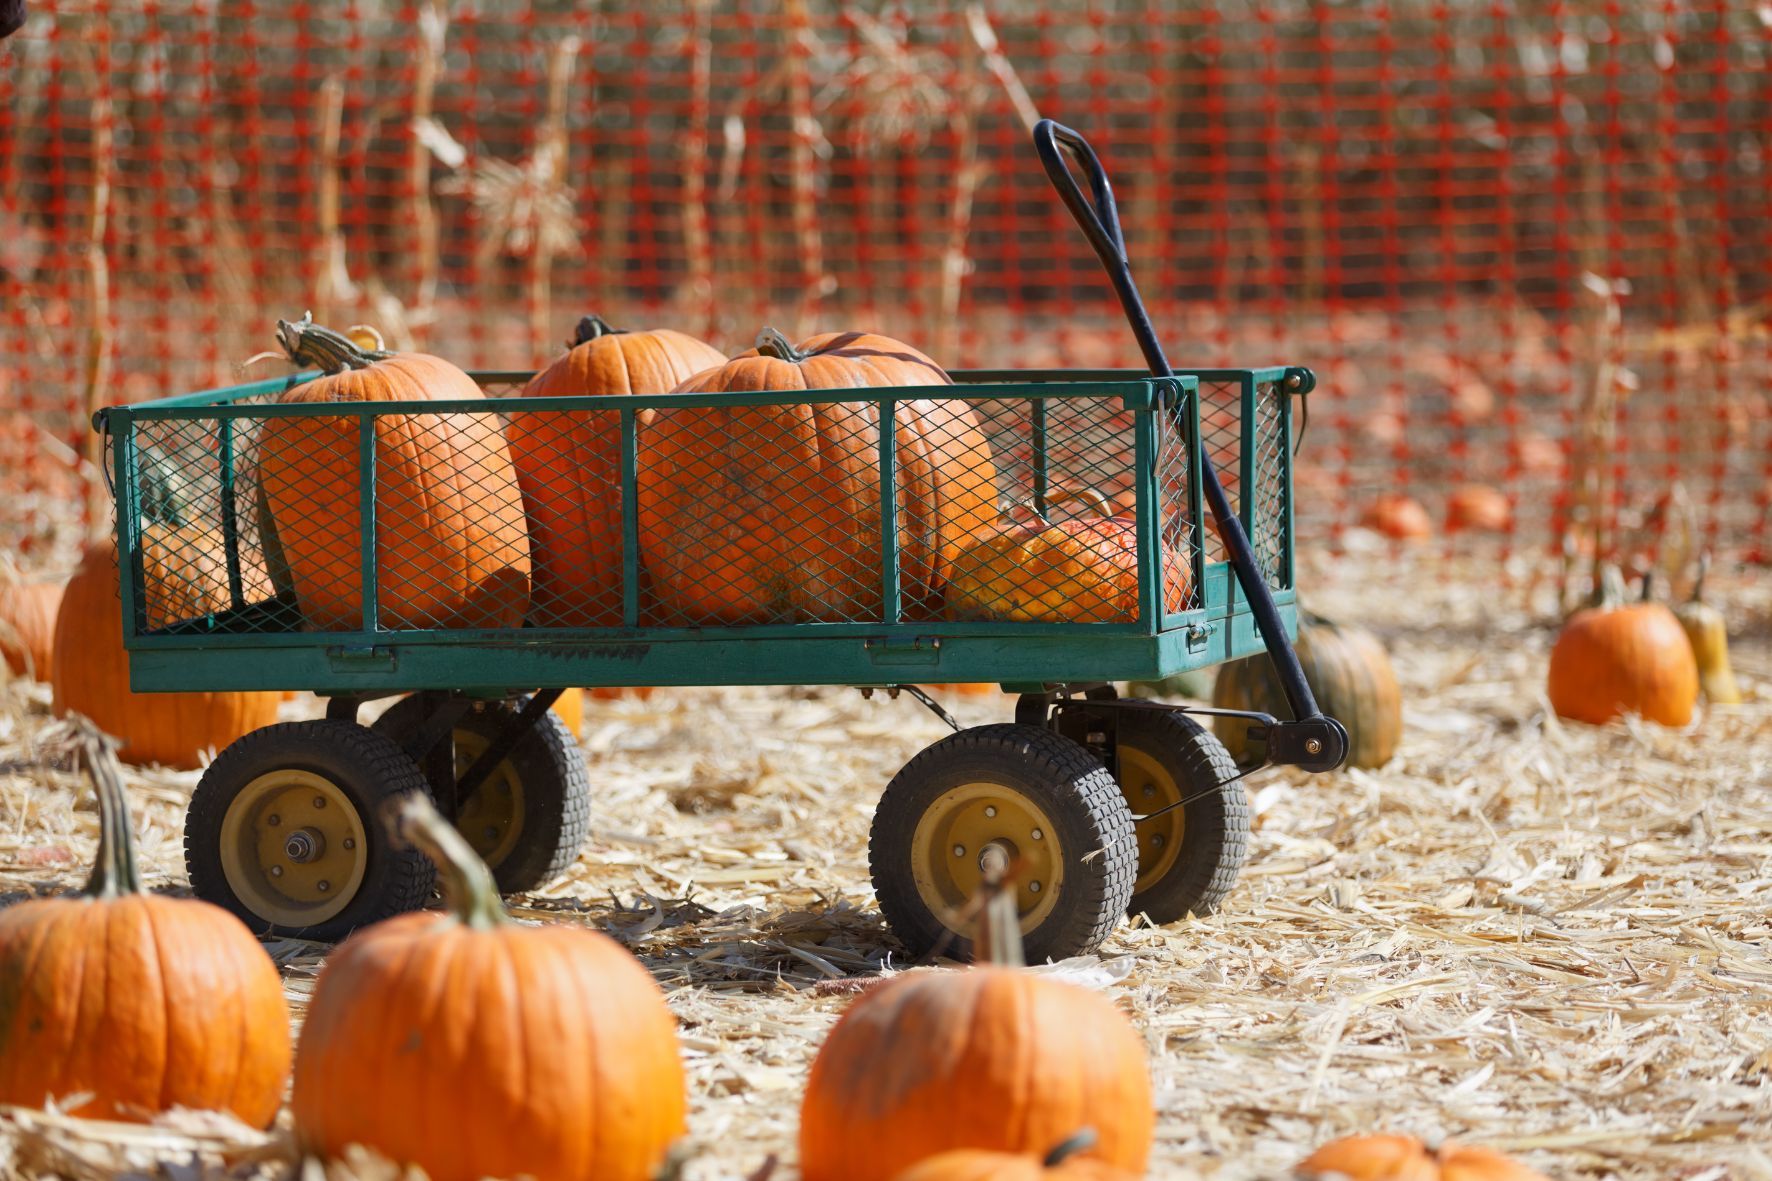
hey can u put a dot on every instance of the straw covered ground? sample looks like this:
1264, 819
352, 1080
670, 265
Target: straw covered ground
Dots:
1544, 937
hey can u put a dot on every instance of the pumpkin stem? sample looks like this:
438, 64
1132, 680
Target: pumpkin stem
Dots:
1085, 1138
114, 871
997, 936
1611, 589
308, 343
468, 888
771, 343
590, 328
1648, 585
1703, 572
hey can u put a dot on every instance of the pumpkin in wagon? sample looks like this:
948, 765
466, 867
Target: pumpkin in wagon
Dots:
771, 514
1404, 1158
569, 464
989, 1057
451, 547
140, 1002
545, 1052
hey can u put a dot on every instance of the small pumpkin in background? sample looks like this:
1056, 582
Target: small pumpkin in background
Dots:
1616, 658
90, 676
771, 514
27, 622
1398, 517
1031, 569
452, 544
1708, 633
989, 1057
1479, 508
569, 707
1064, 1163
140, 1001
617, 692
569, 464
1350, 675
1404, 1158
545, 1052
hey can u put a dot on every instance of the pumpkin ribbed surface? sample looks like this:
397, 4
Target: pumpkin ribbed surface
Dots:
90, 675
1076, 571
771, 514
27, 626
569, 465
990, 1058
451, 545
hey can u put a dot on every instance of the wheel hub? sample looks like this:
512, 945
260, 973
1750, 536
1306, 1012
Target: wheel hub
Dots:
1149, 787
301, 876
954, 836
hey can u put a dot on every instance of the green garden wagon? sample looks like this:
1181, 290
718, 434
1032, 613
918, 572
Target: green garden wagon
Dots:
1104, 804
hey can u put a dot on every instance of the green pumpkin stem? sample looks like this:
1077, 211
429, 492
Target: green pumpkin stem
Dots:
1083, 1140
590, 328
771, 343
311, 344
997, 937
468, 888
114, 871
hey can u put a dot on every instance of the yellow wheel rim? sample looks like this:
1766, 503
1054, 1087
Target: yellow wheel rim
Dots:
1148, 785
293, 848
952, 834
491, 818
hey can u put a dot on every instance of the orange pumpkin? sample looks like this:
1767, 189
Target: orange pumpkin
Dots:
1032, 570
27, 623
550, 1048
616, 692
90, 676
1618, 658
185, 574
569, 464
1404, 1158
989, 1057
142, 1002
1478, 507
977, 1164
770, 514
452, 548
1398, 517
570, 706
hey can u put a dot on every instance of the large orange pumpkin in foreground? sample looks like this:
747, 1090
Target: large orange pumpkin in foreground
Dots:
143, 1002
988, 1057
1064, 1163
1404, 1158
1618, 658
27, 622
90, 675
771, 514
1079, 570
569, 464
452, 548
473, 1047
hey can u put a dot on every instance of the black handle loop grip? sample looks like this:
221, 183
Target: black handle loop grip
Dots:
1321, 742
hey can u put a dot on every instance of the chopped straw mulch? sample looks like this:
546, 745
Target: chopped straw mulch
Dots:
1544, 937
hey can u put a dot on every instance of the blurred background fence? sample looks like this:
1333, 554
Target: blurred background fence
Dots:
1524, 243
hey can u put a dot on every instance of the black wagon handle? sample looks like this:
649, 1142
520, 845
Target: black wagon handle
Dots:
1313, 741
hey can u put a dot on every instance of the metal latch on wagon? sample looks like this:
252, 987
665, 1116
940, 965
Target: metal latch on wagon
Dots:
906, 650
360, 659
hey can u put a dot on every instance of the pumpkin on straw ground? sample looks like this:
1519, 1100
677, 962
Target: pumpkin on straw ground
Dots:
545, 1052
1398, 517
452, 546
1617, 658
988, 1057
569, 464
1404, 1158
141, 1002
90, 676
27, 622
771, 514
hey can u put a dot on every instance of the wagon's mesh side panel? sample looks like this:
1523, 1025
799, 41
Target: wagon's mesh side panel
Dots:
1221, 430
1175, 460
205, 541
1270, 484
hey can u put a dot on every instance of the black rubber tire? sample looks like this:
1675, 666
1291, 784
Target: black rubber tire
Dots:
1215, 836
1069, 784
368, 768
556, 787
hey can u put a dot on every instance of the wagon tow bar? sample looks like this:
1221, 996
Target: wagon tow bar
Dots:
1315, 742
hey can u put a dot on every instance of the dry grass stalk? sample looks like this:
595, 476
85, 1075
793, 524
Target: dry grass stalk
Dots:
551, 156
97, 366
698, 293
333, 289
1595, 437
433, 30
815, 284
